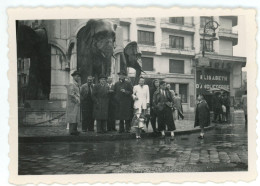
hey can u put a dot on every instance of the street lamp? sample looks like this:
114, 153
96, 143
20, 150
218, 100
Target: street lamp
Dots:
203, 61
210, 25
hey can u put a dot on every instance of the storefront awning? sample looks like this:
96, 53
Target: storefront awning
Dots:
224, 58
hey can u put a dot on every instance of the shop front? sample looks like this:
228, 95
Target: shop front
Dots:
210, 80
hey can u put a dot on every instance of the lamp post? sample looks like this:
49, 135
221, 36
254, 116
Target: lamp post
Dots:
210, 25
203, 61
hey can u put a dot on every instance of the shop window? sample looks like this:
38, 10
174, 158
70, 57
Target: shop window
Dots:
147, 63
183, 92
176, 42
177, 20
176, 66
145, 37
204, 21
208, 45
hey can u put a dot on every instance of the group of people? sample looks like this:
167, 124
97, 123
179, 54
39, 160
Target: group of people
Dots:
221, 107
136, 106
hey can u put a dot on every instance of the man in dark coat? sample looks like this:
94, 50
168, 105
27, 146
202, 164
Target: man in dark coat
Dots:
111, 123
163, 102
202, 116
123, 91
87, 105
100, 97
153, 114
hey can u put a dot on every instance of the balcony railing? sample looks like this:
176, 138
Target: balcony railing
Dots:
178, 24
167, 46
146, 18
229, 31
146, 43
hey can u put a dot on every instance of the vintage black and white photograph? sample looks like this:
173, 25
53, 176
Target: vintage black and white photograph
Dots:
132, 95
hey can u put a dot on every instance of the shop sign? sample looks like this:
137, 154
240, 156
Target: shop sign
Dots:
212, 78
203, 61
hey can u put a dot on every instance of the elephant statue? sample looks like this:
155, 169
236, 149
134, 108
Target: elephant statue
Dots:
96, 44
132, 56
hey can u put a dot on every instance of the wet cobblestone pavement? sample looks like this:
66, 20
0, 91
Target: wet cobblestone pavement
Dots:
222, 149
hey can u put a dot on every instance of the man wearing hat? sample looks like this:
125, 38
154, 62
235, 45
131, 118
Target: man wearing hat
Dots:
123, 91
100, 97
73, 104
87, 105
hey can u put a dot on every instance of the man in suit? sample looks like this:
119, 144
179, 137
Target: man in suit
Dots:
123, 91
111, 123
87, 105
177, 104
141, 97
163, 101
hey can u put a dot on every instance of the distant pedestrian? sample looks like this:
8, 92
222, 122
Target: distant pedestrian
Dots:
73, 104
224, 112
87, 105
244, 105
226, 103
153, 114
100, 97
111, 123
141, 98
163, 101
123, 91
202, 116
217, 107
177, 104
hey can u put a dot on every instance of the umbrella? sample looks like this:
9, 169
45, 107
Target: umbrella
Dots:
224, 89
214, 90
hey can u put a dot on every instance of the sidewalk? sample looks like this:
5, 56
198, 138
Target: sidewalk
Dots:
60, 133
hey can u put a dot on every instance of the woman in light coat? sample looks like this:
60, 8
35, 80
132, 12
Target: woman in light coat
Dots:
73, 104
141, 98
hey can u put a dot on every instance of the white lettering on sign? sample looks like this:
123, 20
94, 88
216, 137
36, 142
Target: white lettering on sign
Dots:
214, 78
208, 86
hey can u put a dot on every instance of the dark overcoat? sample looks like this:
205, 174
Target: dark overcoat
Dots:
100, 98
123, 100
202, 116
86, 99
159, 103
73, 103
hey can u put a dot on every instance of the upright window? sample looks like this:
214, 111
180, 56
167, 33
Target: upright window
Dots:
145, 37
183, 91
177, 20
176, 66
176, 42
147, 63
204, 21
208, 45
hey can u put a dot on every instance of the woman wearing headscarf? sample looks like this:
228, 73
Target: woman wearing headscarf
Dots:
202, 116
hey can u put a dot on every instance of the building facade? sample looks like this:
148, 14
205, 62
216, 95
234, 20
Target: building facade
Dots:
171, 48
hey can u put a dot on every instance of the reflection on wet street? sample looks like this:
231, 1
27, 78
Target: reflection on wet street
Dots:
223, 149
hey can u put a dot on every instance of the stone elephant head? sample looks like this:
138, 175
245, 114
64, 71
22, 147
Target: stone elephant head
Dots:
95, 45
